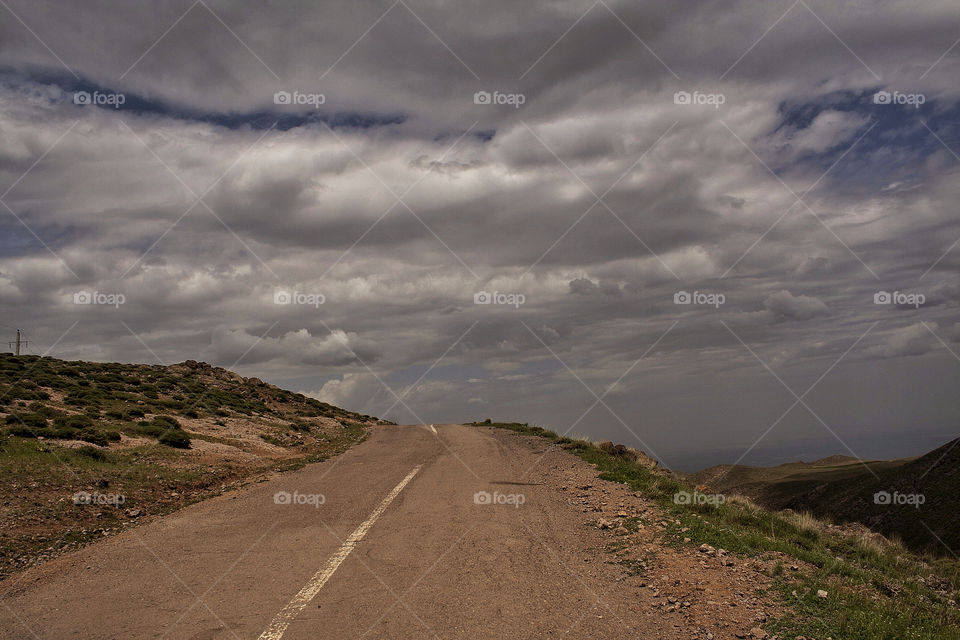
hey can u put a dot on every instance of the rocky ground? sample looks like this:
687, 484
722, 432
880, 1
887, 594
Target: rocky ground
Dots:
699, 593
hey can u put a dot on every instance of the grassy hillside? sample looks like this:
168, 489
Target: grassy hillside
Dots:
915, 501
878, 590
89, 448
845, 493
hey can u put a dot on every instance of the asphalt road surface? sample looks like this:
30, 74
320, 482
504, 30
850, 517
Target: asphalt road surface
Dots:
418, 532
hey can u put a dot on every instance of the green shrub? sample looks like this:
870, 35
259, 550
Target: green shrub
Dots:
85, 397
21, 392
169, 421
93, 436
30, 420
63, 433
149, 429
93, 453
43, 410
79, 421
175, 438
21, 431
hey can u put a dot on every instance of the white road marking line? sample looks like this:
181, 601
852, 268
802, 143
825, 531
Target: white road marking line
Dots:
309, 591
432, 428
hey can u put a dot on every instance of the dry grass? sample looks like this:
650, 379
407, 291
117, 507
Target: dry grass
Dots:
807, 521
745, 503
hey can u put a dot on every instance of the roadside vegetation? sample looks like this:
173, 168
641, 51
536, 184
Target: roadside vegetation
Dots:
876, 588
89, 448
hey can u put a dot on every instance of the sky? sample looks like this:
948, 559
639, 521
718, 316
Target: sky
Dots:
717, 232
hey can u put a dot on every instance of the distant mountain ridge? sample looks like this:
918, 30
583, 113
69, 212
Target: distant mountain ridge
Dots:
910, 498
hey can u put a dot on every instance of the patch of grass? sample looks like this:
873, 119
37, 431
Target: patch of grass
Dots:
874, 592
175, 438
266, 437
28, 420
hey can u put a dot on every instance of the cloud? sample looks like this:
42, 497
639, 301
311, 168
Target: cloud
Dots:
828, 129
783, 306
583, 286
912, 340
597, 199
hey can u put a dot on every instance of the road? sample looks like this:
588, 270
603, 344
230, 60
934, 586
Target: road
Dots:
386, 541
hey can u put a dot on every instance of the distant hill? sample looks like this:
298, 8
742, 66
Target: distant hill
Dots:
912, 498
142, 439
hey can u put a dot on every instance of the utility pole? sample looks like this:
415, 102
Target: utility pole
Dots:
16, 344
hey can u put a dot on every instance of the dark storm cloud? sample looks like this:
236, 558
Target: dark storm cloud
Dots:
396, 198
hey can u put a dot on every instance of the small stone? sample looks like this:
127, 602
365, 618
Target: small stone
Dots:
821, 593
